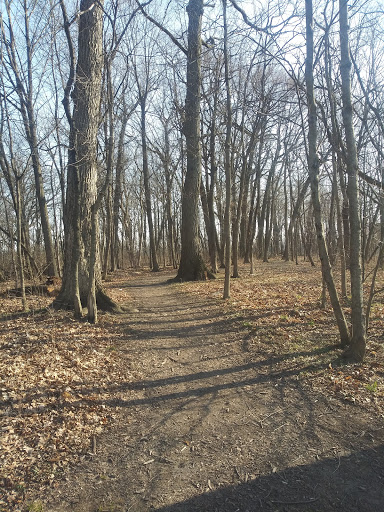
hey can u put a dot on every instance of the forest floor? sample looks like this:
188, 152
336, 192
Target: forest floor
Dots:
190, 403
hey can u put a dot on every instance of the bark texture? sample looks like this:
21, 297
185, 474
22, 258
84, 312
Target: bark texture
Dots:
192, 266
227, 164
80, 211
356, 351
313, 168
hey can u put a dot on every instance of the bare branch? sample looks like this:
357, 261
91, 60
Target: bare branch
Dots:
71, 76
161, 27
246, 19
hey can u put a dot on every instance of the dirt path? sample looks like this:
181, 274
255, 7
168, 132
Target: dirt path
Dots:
213, 426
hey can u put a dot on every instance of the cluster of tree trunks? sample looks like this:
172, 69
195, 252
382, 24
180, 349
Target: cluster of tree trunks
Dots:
240, 150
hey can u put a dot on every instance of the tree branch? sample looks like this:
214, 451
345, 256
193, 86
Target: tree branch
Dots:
246, 19
161, 27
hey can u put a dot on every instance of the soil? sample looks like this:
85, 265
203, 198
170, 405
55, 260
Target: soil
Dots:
216, 420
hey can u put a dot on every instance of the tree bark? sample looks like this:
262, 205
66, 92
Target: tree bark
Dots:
192, 266
81, 241
147, 190
356, 351
227, 164
313, 168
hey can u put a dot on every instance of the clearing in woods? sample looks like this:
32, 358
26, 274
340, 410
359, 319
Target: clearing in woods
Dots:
226, 407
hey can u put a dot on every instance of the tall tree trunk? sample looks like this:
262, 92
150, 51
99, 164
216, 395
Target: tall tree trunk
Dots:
356, 351
294, 217
81, 243
168, 183
118, 192
24, 81
313, 168
147, 189
255, 204
262, 218
192, 266
212, 234
236, 216
109, 128
19, 245
340, 229
227, 163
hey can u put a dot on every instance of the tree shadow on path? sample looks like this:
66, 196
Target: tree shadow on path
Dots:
354, 483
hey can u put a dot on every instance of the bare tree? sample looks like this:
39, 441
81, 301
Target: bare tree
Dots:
356, 350
23, 82
192, 266
82, 272
313, 168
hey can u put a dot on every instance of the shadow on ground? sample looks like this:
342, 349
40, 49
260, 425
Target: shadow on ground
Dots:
353, 483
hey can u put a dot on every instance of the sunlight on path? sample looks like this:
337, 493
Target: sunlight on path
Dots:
206, 416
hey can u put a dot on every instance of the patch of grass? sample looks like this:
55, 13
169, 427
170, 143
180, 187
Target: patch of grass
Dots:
36, 506
372, 387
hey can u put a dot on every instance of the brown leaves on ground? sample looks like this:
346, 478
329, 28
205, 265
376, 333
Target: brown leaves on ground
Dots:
58, 376
55, 378
280, 307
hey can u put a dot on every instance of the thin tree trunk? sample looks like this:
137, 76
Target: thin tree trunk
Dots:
313, 167
25, 92
227, 162
19, 246
356, 351
118, 192
147, 190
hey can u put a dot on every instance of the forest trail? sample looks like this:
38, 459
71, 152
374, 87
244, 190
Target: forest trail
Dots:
211, 426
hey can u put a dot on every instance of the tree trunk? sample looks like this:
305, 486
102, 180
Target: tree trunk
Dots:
212, 234
168, 182
267, 194
192, 266
313, 168
356, 351
227, 164
147, 190
19, 245
117, 193
294, 218
24, 80
82, 168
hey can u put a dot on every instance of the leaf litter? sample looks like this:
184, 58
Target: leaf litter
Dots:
280, 307
55, 378
57, 374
